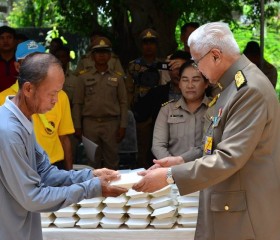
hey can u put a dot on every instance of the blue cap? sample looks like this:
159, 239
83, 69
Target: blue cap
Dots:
28, 47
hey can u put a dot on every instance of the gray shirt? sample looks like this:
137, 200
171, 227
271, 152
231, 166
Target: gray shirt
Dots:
177, 130
28, 183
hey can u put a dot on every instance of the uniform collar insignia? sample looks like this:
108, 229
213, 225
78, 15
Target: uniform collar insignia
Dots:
102, 43
148, 34
240, 80
220, 85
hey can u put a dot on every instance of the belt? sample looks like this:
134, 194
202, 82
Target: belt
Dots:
103, 119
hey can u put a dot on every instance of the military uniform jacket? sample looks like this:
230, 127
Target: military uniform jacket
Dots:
177, 130
100, 95
240, 174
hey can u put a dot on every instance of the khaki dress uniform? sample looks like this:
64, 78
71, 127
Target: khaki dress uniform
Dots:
100, 109
178, 130
239, 174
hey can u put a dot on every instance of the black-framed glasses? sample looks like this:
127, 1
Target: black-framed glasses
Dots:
196, 62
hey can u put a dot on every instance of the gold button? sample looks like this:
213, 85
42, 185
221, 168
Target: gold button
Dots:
226, 207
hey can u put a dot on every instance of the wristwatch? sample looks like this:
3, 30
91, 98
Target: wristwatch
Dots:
169, 178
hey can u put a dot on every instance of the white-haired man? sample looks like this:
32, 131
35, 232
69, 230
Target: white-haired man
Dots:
239, 173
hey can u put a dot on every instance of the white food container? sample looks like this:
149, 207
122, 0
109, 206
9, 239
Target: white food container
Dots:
165, 212
66, 212
89, 212
66, 222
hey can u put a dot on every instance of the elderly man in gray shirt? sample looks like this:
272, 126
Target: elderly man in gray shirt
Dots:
28, 183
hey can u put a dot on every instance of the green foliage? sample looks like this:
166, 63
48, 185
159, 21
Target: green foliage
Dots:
54, 33
34, 13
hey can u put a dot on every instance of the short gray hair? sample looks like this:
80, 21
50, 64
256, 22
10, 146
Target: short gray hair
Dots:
35, 66
214, 35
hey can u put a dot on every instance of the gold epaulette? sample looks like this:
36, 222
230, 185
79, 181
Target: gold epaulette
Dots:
240, 80
83, 72
164, 104
119, 74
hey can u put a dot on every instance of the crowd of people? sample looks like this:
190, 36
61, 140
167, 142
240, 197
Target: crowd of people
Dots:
206, 118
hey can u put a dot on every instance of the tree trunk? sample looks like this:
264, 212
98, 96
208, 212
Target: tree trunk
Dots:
145, 14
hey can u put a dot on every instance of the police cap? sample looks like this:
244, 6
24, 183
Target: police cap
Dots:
149, 35
101, 44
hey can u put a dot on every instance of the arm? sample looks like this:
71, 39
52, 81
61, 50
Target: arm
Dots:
67, 149
122, 97
246, 117
78, 101
161, 135
24, 183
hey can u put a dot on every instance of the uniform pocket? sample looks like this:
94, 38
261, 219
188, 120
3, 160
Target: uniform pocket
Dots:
230, 216
177, 126
89, 87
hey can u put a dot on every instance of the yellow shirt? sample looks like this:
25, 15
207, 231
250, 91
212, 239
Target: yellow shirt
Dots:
59, 117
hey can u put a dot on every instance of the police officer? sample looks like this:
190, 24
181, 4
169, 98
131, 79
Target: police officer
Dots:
100, 106
179, 125
144, 75
238, 176
87, 62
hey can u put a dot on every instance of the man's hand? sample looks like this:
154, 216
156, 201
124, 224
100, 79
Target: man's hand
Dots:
152, 181
111, 191
176, 63
120, 134
167, 162
164, 162
106, 174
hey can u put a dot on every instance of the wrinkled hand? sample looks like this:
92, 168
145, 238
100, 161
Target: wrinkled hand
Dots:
176, 63
152, 181
120, 134
106, 174
111, 191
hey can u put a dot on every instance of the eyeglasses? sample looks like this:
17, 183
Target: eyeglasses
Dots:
196, 62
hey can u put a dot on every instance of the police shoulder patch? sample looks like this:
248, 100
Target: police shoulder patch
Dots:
240, 80
164, 104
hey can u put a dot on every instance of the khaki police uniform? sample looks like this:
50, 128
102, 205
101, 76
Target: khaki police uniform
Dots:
141, 78
100, 109
239, 174
69, 84
177, 130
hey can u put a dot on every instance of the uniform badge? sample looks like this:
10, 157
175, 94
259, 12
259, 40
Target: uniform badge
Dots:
113, 79
208, 145
240, 80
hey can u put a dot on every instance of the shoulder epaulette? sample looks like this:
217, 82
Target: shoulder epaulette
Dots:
164, 104
119, 74
83, 72
240, 80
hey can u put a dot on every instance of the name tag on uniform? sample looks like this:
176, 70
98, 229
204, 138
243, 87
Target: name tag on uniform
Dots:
176, 115
113, 79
